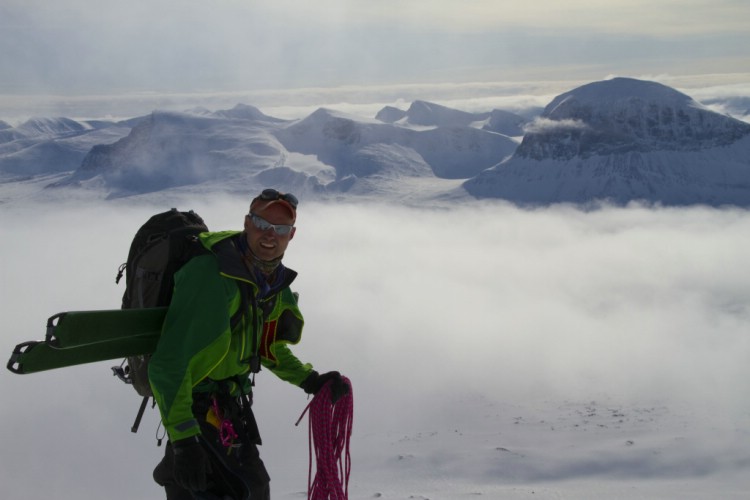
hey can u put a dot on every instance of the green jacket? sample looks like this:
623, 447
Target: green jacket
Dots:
198, 344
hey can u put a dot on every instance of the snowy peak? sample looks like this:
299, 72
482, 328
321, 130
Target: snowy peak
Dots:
390, 114
624, 114
430, 114
326, 127
52, 145
361, 147
612, 93
423, 114
246, 112
50, 127
623, 140
505, 122
353, 146
171, 149
43, 129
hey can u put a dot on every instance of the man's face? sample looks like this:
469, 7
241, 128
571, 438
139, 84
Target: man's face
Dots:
268, 244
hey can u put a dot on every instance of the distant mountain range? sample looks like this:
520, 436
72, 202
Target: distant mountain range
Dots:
617, 140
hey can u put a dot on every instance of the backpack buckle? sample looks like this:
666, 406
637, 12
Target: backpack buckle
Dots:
122, 372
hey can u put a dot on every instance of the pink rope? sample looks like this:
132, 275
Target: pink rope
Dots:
330, 428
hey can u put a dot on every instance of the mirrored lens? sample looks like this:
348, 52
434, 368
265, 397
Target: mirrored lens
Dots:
264, 225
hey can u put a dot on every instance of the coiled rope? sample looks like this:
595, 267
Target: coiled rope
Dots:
330, 430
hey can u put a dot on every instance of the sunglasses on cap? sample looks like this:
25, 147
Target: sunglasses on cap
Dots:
264, 225
272, 194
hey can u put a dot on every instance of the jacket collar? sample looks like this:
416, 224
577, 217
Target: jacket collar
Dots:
232, 264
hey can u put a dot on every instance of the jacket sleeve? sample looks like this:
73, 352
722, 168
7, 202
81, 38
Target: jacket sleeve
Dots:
287, 367
278, 334
195, 337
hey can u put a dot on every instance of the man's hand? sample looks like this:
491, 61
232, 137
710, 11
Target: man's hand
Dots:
315, 382
191, 464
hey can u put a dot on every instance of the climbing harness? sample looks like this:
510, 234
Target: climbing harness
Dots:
330, 430
227, 434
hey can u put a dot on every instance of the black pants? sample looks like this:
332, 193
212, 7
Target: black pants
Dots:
237, 473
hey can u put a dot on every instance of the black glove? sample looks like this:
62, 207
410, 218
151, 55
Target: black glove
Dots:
191, 464
315, 382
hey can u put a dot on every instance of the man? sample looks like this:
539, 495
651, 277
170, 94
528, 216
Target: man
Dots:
231, 313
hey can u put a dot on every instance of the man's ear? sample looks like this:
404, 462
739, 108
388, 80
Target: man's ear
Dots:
248, 221
294, 230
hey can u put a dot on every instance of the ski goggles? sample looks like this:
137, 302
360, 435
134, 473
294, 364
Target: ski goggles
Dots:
272, 194
264, 225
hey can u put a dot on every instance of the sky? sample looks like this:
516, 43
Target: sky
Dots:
165, 50
441, 319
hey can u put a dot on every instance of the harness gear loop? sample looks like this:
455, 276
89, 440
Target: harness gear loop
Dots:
227, 434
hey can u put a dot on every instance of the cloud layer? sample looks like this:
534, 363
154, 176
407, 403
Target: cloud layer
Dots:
415, 306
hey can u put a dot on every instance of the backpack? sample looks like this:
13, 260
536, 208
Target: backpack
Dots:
165, 243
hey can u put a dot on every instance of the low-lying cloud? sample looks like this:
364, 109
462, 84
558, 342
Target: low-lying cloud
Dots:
540, 125
641, 305
626, 299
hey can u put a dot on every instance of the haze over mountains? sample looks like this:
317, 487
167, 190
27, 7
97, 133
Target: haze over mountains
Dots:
616, 140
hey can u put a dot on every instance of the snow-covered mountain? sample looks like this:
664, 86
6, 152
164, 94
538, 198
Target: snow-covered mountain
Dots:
326, 152
618, 140
622, 140
170, 149
362, 148
48, 145
428, 114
